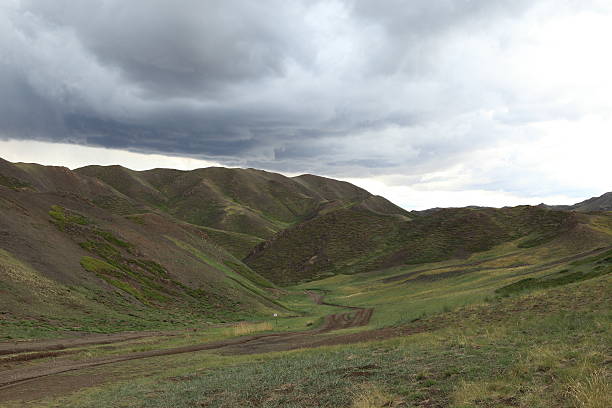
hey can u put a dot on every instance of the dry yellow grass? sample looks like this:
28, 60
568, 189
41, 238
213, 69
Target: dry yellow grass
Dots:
11, 269
373, 396
469, 394
592, 391
243, 328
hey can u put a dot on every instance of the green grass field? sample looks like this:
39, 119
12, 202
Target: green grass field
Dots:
438, 287
515, 327
548, 348
243, 288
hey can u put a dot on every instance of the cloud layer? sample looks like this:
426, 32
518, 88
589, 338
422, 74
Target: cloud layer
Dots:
397, 90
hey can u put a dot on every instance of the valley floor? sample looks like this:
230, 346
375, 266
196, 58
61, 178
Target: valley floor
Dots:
505, 328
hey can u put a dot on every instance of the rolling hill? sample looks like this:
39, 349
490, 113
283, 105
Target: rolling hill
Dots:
601, 203
109, 248
355, 240
77, 264
182, 268
238, 207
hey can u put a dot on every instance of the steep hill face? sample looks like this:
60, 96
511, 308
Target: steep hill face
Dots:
75, 263
245, 201
601, 203
357, 240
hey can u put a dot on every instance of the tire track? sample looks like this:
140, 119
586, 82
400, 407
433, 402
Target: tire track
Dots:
244, 345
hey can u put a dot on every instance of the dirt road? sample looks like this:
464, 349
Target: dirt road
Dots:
20, 382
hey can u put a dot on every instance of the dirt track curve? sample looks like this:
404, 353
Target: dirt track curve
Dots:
10, 380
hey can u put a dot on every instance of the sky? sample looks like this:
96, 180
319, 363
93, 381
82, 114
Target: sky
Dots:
430, 103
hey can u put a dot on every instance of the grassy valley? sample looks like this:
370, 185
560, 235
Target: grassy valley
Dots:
243, 288
472, 340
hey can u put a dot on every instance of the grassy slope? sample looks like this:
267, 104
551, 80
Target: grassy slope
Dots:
247, 201
105, 236
471, 346
355, 240
80, 267
238, 244
546, 348
322, 246
423, 290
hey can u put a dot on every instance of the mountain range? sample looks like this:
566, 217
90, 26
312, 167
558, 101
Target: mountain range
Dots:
109, 247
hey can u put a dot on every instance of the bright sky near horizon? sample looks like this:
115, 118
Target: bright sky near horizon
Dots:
430, 103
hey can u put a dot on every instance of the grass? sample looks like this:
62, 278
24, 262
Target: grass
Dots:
551, 356
372, 396
13, 182
139, 294
149, 282
592, 389
582, 269
438, 287
235, 274
239, 245
350, 240
97, 266
63, 217
244, 328
545, 345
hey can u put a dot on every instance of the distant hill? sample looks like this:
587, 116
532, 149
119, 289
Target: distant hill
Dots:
601, 203
239, 207
109, 247
354, 240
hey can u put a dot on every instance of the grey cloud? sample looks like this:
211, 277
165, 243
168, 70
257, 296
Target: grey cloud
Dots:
349, 88
412, 32
187, 47
24, 112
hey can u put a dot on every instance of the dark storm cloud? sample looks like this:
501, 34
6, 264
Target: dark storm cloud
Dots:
186, 47
338, 86
23, 111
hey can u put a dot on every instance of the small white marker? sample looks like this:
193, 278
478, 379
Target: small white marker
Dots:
275, 314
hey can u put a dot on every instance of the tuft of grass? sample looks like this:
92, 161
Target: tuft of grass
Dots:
137, 218
592, 390
371, 395
484, 394
97, 265
63, 217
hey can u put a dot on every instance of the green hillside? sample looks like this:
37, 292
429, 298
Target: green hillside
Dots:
357, 240
513, 326
79, 266
457, 307
246, 201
